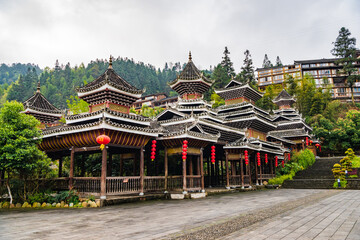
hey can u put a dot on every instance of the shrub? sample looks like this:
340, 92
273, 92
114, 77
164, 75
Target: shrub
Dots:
356, 162
343, 184
40, 197
279, 180
304, 158
67, 197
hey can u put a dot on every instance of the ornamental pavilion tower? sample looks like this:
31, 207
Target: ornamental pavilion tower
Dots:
109, 91
39, 107
191, 83
284, 100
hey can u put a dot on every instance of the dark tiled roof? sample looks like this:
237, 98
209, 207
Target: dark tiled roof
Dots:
40, 103
283, 95
111, 77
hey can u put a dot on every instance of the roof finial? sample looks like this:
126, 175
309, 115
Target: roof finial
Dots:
38, 87
190, 58
110, 62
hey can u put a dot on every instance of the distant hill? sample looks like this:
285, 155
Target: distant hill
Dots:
59, 83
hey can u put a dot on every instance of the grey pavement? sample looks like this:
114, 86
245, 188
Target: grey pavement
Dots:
335, 216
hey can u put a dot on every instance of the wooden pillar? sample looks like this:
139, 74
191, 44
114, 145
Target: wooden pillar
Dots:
103, 176
227, 170
256, 171
121, 164
71, 172
141, 171
209, 171
272, 166
109, 168
202, 170
242, 171
184, 176
222, 170
260, 167
166, 168
60, 166
249, 172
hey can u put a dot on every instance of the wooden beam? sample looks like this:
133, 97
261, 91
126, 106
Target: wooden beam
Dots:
103, 176
141, 171
86, 149
227, 170
166, 167
71, 172
202, 170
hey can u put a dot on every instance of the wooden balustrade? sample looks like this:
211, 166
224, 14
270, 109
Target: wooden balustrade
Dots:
235, 180
246, 180
193, 182
175, 183
116, 185
87, 184
154, 183
265, 176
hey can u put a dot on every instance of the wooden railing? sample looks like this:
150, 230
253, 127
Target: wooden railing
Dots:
154, 183
115, 185
265, 176
174, 182
235, 180
246, 180
193, 182
87, 184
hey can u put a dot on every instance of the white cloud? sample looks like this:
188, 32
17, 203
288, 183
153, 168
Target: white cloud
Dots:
41, 31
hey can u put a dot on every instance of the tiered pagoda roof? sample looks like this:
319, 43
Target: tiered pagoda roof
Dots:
191, 81
284, 99
236, 90
38, 106
109, 88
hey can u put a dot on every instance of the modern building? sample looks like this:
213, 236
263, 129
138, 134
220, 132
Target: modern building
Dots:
324, 71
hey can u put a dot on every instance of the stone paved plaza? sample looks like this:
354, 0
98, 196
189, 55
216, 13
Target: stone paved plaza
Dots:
334, 216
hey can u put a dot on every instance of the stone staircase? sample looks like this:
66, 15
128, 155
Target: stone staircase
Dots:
318, 176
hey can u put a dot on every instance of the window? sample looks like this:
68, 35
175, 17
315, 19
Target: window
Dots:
305, 65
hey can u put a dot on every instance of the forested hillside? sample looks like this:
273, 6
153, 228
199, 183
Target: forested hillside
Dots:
60, 82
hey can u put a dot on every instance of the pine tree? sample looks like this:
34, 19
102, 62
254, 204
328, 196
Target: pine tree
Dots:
344, 48
278, 62
266, 62
220, 76
227, 64
247, 70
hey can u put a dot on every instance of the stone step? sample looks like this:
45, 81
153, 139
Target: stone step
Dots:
309, 183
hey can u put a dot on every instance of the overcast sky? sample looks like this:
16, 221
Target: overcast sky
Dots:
155, 31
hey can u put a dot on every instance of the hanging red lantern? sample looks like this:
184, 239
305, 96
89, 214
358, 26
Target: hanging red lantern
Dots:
213, 154
289, 157
276, 161
307, 141
258, 159
266, 158
318, 146
103, 140
311, 141
153, 150
282, 163
184, 148
246, 157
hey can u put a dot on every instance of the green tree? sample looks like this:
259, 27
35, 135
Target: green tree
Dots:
19, 137
218, 101
266, 101
220, 76
266, 63
227, 64
291, 84
247, 74
344, 48
76, 105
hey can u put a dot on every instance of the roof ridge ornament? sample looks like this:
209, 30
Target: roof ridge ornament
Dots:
110, 62
38, 87
190, 58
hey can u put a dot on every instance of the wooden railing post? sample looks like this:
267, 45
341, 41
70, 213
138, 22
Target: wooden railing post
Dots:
202, 170
166, 169
71, 172
242, 171
256, 170
227, 170
184, 176
103, 177
141, 171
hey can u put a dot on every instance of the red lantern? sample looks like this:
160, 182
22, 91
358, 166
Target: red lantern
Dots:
184, 148
153, 150
311, 141
307, 141
288, 156
103, 140
266, 158
213, 154
258, 159
246, 157
282, 163
276, 161
318, 146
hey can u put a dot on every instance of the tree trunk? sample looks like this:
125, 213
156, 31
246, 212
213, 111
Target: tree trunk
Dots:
352, 96
8, 187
